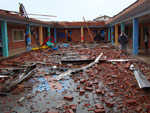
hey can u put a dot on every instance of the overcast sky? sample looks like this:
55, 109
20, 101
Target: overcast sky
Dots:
68, 10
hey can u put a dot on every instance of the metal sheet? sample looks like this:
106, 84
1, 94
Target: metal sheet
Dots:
141, 79
69, 72
90, 60
10, 84
121, 60
5, 76
9, 68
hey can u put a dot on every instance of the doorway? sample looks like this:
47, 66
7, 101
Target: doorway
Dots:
139, 38
69, 35
1, 47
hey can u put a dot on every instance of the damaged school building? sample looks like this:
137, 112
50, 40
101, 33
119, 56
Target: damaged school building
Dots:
75, 67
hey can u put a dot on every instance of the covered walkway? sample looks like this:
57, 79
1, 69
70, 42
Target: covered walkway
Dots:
134, 21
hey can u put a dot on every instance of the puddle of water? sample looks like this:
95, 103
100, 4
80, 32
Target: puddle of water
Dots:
49, 84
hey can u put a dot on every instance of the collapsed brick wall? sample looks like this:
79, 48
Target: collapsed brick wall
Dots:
18, 44
21, 44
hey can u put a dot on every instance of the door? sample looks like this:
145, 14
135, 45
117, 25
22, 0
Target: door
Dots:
69, 36
139, 38
103, 35
1, 48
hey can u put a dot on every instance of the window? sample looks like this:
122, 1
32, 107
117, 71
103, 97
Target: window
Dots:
18, 35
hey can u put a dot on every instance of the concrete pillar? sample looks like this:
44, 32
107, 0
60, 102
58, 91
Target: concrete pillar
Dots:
28, 37
4, 38
48, 31
55, 35
122, 27
112, 34
135, 36
41, 35
109, 33
116, 35
82, 39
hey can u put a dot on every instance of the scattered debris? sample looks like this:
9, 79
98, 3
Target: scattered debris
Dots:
5, 76
79, 69
98, 87
68, 97
10, 84
21, 99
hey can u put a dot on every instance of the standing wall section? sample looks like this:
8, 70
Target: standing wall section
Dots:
18, 46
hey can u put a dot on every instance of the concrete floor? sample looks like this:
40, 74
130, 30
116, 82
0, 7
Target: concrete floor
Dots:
144, 56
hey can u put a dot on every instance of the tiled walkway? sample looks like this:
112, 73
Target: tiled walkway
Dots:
142, 55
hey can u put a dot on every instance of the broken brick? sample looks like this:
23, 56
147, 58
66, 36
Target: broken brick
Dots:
52, 112
103, 92
89, 85
89, 88
82, 81
70, 111
87, 96
68, 97
95, 82
127, 66
79, 102
73, 107
81, 92
65, 107
131, 101
3, 102
98, 91
99, 110
139, 108
120, 106
110, 83
78, 87
91, 109
110, 104
99, 106
86, 105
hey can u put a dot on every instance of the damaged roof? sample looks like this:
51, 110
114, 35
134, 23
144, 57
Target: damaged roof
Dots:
15, 17
79, 24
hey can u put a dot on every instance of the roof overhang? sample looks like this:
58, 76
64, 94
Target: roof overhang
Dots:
21, 21
139, 8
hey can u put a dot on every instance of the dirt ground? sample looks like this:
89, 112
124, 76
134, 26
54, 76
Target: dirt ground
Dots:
106, 87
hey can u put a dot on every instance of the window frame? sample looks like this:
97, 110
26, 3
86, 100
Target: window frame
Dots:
13, 35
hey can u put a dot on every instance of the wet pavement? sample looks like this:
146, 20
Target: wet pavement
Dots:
105, 87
